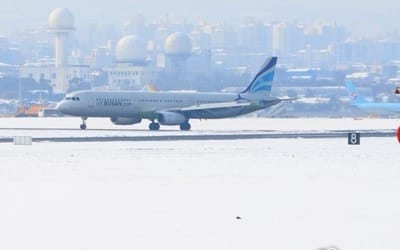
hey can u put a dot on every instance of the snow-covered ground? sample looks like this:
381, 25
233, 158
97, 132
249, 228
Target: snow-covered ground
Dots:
239, 194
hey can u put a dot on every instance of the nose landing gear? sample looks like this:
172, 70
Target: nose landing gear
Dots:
83, 125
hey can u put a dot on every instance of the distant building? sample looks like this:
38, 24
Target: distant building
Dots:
178, 48
58, 72
255, 37
131, 70
302, 74
46, 71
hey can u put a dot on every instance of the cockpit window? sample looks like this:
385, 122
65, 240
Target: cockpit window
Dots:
75, 98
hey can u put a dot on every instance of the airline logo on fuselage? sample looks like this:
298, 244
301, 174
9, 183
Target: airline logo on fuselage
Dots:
119, 102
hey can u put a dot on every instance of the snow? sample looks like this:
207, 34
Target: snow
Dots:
288, 193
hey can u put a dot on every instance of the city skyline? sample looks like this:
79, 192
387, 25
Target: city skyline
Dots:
363, 18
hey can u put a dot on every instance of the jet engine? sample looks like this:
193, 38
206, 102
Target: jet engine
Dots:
171, 118
125, 120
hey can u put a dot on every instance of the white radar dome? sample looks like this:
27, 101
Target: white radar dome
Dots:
131, 49
61, 19
178, 44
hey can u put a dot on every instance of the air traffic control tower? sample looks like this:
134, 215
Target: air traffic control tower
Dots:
61, 23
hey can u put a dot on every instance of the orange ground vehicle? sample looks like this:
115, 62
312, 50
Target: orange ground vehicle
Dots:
31, 110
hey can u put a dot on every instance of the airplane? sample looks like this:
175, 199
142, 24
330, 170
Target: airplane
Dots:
372, 107
171, 108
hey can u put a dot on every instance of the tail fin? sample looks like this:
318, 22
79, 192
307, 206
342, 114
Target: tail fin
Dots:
351, 90
262, 82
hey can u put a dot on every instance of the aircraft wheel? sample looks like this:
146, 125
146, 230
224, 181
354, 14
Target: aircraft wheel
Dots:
154, 126
185, 126
83, 125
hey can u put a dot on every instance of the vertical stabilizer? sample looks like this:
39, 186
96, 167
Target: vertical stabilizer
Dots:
262, 82
351, 90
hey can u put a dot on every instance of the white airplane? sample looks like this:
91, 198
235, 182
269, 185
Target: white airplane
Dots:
171, 108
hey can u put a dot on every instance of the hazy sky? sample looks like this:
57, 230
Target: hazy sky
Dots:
356, 14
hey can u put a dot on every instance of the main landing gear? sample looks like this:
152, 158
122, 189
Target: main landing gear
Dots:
154, 126
83, 125
185, 126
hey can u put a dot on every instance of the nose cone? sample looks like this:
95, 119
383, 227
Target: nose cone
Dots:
61, 107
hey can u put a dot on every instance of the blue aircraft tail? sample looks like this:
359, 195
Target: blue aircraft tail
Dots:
262, 82
351, 90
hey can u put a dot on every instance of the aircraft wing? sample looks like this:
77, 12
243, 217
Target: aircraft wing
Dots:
211, 106
214, 110
222, 110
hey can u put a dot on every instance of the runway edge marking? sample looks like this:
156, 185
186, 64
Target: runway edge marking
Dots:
317, 135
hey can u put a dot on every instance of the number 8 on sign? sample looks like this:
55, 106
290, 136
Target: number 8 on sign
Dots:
353, 138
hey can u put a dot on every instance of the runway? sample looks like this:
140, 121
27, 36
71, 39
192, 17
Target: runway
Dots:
101, 130
208, 135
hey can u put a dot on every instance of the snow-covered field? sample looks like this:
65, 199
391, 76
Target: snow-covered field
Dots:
239, 194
